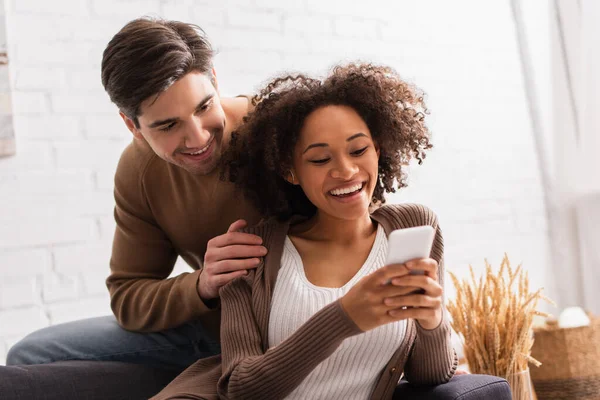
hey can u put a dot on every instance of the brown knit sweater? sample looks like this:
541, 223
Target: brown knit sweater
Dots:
249, 369
162, 211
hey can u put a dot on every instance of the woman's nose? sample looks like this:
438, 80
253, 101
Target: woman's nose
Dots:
345, 169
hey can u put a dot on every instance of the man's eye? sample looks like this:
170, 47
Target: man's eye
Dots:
205, 106
167, 127
360, 151
321, 161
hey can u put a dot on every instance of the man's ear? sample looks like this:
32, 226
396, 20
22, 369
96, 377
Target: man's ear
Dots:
215, 83
131, 126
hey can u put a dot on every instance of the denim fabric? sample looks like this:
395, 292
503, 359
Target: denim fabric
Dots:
102, 339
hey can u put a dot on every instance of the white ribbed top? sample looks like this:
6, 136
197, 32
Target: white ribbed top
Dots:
352, 370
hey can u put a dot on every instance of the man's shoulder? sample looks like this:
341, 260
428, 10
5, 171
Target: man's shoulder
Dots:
135, 157
236, 108
133, 165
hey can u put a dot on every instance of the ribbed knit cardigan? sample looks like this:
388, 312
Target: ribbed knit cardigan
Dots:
249, 369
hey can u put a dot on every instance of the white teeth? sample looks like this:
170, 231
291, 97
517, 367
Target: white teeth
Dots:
338, 192
198, 152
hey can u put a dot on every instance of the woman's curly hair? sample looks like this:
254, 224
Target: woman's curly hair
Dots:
261, 150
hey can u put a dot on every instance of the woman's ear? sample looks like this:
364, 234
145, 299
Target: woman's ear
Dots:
377, 150
290, 177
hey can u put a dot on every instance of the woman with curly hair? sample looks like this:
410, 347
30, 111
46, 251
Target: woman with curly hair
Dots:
322, 316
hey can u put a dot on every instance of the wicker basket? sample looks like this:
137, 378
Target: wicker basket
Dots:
570, 360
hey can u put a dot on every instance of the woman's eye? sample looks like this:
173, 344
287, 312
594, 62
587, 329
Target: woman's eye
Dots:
360, 151
321, 161
167, 127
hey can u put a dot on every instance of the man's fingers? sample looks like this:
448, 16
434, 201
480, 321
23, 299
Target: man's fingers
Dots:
237, 225
227, 266
224, 279
237, 252
231, 238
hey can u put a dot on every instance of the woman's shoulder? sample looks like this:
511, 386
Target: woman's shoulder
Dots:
405, 215
264, 228
272, 232
268, 229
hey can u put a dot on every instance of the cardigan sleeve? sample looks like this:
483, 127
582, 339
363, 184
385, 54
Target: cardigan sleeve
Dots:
432, 359
249, 372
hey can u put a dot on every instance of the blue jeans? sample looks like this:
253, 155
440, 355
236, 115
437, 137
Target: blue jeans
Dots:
103, 339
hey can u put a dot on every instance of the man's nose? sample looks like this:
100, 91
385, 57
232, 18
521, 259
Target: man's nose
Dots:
196, 136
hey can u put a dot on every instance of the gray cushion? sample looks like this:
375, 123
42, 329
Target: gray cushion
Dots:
102, 380
460, 387
82, 380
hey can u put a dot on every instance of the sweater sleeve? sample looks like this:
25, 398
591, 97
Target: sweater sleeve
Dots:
433, 360
251, 373
142, 298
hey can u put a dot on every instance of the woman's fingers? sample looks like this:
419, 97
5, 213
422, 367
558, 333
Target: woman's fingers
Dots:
393, 291
384, 275
429, 285
415, 300
428, 265
420, 313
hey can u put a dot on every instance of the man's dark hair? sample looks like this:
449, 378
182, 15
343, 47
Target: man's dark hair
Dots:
260, 154
147, 56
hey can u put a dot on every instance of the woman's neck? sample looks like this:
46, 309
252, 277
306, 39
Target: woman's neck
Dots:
325, 228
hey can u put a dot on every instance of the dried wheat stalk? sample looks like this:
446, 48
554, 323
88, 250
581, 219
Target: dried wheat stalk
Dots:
494, 317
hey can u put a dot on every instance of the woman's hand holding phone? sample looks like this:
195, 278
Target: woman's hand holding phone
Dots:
405, 288
412, 248
424, 305
378, 299
365, 302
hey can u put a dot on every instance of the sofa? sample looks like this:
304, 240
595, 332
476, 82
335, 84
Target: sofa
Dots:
95, 380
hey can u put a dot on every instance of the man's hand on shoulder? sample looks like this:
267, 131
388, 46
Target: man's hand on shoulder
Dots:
227, 257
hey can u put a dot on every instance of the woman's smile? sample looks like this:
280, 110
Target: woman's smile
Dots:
348, 192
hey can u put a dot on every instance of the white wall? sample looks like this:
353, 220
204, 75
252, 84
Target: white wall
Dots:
56, 200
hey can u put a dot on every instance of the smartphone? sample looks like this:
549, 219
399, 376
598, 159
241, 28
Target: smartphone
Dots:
410, 243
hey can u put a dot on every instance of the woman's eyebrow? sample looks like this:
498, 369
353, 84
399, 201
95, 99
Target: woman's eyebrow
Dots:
356, 135
310, 146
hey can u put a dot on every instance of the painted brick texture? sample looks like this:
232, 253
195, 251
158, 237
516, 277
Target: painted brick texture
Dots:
56, 193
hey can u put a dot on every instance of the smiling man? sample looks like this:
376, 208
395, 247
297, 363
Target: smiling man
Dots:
185, 124
170, 203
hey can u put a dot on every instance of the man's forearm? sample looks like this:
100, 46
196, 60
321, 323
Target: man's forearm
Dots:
151, 305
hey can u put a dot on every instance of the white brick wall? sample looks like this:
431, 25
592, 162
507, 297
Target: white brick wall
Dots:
55, 195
